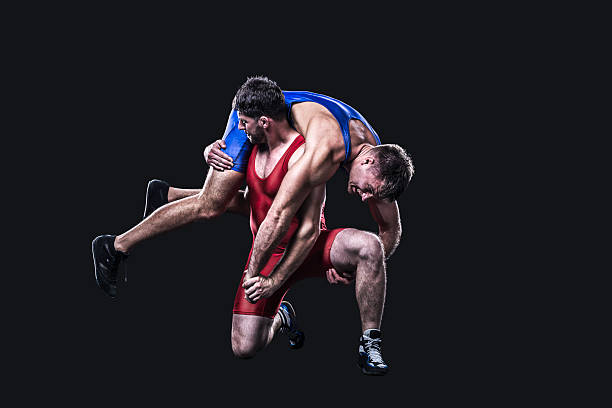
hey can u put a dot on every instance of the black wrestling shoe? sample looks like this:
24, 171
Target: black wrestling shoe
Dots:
157, 195
370, 359
289, 325
106, 263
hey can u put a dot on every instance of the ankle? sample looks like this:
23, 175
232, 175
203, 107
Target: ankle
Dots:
373, 333
172, 194
120, 245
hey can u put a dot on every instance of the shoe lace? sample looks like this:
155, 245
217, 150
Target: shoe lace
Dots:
372, 347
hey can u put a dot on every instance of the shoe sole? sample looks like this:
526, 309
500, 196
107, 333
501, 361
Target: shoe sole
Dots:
369, 371
297, 342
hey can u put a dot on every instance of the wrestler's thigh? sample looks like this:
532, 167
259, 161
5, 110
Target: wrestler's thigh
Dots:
344, 253
250, 329
220, 187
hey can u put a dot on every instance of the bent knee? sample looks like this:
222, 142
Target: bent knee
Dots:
208, 214
208, 209
372, 247
243, 350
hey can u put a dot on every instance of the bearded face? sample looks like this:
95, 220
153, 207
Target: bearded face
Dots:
251, 127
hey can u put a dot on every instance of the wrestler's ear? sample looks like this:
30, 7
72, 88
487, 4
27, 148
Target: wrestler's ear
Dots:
368, 160
263, 121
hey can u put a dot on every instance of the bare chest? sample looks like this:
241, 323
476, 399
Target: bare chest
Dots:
265, 162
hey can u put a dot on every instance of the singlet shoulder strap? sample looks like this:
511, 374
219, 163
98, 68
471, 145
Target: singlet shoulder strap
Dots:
251, 163
297, 142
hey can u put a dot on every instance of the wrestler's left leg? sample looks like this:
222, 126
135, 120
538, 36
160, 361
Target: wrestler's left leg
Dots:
160, 193
362, 253
175, 193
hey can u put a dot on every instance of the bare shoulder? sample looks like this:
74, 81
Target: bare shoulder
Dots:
318, 126
299, 152
303, 112
309, 116
324, 149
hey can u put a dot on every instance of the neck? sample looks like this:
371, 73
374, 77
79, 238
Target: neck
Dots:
280, 134
361, 150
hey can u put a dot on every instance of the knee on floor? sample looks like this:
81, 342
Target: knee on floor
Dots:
244, 350
244, 353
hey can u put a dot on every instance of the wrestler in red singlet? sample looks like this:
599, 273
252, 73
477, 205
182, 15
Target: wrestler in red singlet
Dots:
261, 195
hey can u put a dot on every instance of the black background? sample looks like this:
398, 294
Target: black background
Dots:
122, 104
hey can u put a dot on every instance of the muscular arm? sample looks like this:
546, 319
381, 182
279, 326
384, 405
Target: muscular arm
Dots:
317, 165
387, 217
304, 238
298, 249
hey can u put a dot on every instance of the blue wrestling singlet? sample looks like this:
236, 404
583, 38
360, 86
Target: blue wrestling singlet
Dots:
239, 147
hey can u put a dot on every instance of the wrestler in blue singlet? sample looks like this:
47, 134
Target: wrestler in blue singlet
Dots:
239, 147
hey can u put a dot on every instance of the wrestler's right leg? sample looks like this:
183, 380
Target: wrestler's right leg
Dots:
219, 189
251, 334
212, 200
109, 251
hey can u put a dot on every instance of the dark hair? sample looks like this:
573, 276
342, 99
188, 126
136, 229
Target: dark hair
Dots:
260, 96
395, 167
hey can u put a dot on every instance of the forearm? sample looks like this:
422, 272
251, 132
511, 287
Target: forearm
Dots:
269, 235
309, 172
390, 239
387, 217
294, 255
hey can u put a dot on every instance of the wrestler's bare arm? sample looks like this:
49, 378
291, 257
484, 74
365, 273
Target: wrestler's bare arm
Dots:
304, 238
387, 216
298, 249
317, 165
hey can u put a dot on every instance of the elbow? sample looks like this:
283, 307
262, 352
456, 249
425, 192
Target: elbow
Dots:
309, 233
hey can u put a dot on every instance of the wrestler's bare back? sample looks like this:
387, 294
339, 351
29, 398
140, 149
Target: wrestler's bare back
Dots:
308, 115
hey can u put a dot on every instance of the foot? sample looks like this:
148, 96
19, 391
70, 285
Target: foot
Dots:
370, 358
106, 263
289, 325
157, 195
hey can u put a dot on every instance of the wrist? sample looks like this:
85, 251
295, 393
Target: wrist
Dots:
279, 279
273, 279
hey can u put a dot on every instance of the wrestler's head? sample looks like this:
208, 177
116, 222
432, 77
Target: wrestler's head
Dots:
381, 172
253, 127
258, 101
